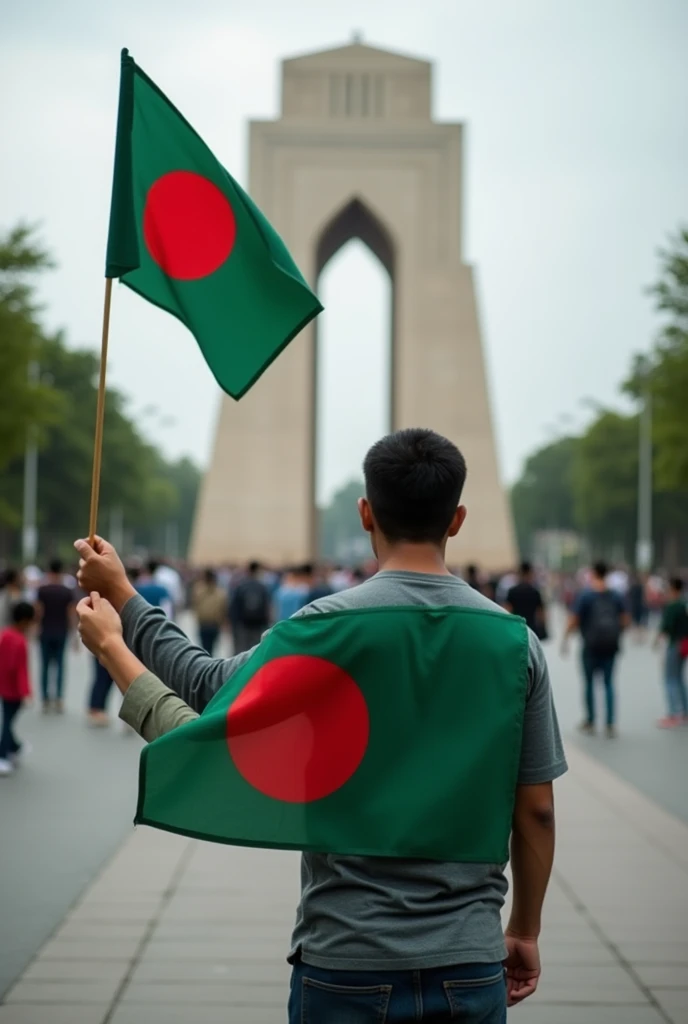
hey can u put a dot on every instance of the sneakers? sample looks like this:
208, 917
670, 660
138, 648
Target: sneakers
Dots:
6, 767
58, 707
670, 722
587, 727
611, 732
98, 719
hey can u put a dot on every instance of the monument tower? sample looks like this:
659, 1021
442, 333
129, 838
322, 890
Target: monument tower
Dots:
356, 154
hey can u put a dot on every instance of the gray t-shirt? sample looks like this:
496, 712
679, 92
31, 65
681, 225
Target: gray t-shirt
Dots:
366, 913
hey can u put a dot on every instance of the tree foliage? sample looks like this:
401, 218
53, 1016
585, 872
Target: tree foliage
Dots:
542, 499
136, 479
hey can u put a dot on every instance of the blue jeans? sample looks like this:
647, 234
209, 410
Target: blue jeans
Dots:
100, 688
208, 635
604, 665
675, 682
8, 741
470, 993
52, 652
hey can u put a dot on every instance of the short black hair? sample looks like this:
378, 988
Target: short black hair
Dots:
526, 568
209, 575
56, 565
23, 612
414, 479
601, 570
134, 572
254, 567
11, 576
153, 566
676, 583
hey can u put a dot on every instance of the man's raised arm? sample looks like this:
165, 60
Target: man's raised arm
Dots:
160, 644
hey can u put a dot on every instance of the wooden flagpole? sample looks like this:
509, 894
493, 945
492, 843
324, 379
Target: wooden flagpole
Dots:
100, 415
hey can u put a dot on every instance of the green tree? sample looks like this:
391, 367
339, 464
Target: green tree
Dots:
542, 499
25, 403
667, 376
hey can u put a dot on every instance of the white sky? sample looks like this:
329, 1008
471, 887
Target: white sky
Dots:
577, 171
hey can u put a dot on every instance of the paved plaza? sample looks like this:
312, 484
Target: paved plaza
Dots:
113, 926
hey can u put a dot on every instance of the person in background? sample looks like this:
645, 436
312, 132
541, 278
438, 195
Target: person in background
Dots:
525, 599
340, 579
55, 605
15, 685
100, 690
150, 591
320, 586
674, 627
250, 609
292, 593
166, 576
473, 579
637, 606
600, 615
11, 592
209, 603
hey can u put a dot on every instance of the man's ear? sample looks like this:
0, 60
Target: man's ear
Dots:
366, 514
458, 520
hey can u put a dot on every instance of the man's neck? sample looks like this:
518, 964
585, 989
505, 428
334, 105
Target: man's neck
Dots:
423, 558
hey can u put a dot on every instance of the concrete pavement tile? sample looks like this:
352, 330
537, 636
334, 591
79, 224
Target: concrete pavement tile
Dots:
239, 949
89, 949
76, 970
576, 953
674, 1002
571, 932
532, 1013
588, 984
102, 930
169, 1013
225, 994
68, 991
663, 975
246, 971
142, 910
645, 951
42, 1013
214, 931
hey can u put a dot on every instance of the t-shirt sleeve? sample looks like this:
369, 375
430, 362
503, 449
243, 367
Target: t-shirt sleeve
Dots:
542, 751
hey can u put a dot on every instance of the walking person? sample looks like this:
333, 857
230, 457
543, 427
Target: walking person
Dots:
250, 609
11, 592
600, 616
55, 603
209, 602
674, 628
380, 938
525, 599
100, 691
15, 685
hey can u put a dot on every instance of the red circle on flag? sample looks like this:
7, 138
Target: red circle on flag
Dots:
188, 225
299, 728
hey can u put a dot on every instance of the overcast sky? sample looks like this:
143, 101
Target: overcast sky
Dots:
577, 170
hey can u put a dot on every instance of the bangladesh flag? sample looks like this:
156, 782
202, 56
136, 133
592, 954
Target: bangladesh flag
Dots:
186, 237
391, 732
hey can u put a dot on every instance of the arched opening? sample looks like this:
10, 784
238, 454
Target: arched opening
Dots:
354, 351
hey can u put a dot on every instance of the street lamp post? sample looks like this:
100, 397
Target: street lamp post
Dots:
29, 528
643, 554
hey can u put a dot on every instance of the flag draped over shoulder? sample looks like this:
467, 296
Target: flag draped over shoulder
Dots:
185, 236
391, 732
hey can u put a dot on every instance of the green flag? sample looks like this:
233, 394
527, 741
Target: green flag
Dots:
186, 237
392, 732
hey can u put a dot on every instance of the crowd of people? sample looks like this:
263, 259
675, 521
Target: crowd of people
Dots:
241, 603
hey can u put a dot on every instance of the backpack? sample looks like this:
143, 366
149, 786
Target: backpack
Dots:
603, 629
253, 603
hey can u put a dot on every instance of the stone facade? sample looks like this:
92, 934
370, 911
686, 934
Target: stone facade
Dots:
356, 153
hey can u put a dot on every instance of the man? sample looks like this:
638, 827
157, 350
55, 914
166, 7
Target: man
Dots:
209, 603
250, 609
292, 593
600, 615
674, 627
423, 938
55, 607
525, 599
154, 593
167, 576
473, 578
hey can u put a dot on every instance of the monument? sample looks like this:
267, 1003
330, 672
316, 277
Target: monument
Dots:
356, 154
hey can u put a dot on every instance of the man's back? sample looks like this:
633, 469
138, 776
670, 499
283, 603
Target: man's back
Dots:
524, 599
360, 912
55, 600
